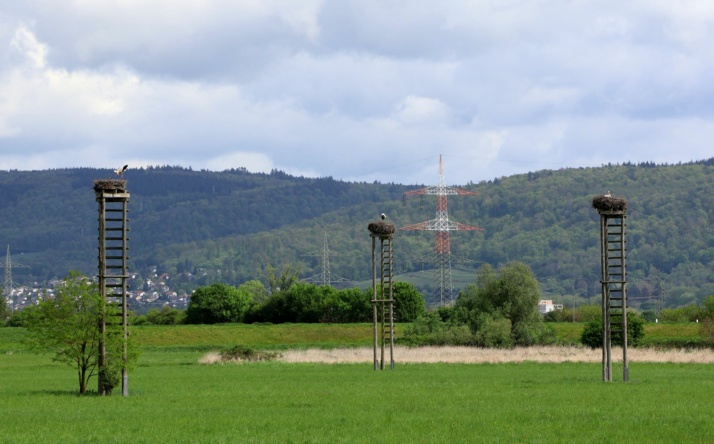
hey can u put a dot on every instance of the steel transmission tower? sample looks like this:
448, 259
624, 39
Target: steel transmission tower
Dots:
7, 289
443, 288
8, 286
324, 278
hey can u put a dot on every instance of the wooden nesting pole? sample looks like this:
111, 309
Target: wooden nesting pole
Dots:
113, 198
613, 217
382, 295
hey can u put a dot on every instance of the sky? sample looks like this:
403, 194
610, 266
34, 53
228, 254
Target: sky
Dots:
359, 90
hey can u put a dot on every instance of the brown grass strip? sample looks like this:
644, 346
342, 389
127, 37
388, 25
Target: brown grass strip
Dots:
472, 355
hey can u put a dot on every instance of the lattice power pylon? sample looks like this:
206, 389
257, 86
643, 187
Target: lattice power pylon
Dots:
325, 277
8, 285
7, 289
441, 225
113, 199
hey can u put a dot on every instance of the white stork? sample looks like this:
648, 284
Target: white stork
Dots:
383, 216
608, 194
120, 171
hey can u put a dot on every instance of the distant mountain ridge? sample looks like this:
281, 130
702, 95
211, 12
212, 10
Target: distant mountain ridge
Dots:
229, 225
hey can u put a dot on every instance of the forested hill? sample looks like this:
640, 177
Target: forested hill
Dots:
49, 218
230, 225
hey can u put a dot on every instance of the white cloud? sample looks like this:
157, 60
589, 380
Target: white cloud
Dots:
325, 88
27, 46
416, 110
253, 162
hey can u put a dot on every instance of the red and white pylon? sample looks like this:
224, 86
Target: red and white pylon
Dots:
441, 225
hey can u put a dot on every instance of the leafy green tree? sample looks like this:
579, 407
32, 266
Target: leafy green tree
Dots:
430, 329
688, 313
512, 293
4, 312
708, 307
166, 316
494, 331
649, 316
281, 279
68, 326
217, 303
20, 317
592, 333
707, 312
352, 305
256, 289
409, 304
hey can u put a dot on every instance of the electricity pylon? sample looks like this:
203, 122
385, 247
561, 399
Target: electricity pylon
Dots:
325, 277
7, 288
441, 225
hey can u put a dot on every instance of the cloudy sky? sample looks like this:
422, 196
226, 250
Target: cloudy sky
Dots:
356, 89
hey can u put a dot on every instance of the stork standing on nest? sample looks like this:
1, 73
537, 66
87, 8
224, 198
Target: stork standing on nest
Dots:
383, 216
608, 194
120, 171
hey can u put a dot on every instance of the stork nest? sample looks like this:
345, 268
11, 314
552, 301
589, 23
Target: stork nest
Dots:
115, 185
380, 228
605, 203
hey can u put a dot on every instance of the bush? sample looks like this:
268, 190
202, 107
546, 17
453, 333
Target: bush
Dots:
592, 333
243, 353
311, 303
217, 303
494, 332
682, 314
511, 293
409, 304
649, 316
429, 329
21, 317
707, 328
166, 316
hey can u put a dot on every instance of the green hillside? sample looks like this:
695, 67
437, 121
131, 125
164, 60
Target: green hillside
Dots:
228, 226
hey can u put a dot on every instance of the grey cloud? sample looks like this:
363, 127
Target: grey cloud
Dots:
324, 88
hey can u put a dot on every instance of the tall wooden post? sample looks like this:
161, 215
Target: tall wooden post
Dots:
613, 250
113, 199
382, 295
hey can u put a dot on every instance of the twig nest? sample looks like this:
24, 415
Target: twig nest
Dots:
609, 203
380, 228
110, 185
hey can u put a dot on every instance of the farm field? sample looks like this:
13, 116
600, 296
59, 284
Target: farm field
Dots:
174, 398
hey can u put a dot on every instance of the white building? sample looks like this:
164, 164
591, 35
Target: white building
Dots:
547, 305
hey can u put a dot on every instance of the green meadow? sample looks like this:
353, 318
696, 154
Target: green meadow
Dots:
175, 399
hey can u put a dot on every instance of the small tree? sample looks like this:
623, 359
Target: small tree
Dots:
592, 333
707, 328
512, 293
217, 303
166, 316
4, 312
256, 289
68, 326
281, 279
408, 302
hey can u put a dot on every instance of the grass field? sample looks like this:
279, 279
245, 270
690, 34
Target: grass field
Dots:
283, 336
173, 398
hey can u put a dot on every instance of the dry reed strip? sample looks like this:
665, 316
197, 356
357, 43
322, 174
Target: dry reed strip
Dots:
472, 355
